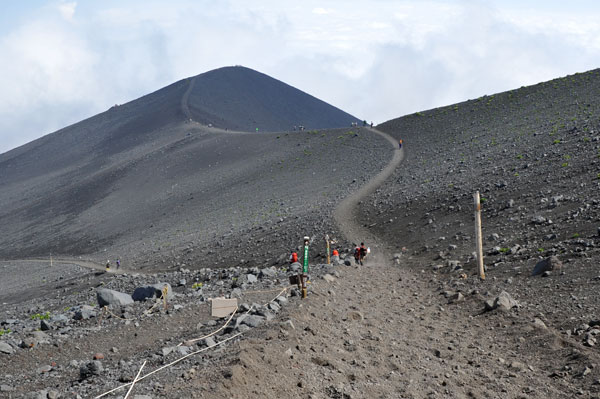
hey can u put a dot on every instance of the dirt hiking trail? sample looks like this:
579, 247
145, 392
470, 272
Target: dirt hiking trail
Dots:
385, 331
349, 222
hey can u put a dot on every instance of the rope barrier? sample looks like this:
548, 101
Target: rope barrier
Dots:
106, 309
191, 342
169, 365
135, 380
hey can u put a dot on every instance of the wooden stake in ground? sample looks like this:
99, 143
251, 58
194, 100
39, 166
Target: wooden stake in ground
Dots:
478, 239
305, 267
328, 254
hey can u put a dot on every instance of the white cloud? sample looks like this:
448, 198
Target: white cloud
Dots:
67, 10
321, 11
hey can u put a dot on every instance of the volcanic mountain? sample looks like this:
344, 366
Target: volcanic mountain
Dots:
174, 170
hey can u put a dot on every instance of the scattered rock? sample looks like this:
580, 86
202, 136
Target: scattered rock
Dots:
502, 302
152, 291
6, 348
90, 369
546, 265
253, 320
539, 324
85, 312
113, 298
457, 297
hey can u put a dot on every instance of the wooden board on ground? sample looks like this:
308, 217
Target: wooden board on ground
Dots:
222, 307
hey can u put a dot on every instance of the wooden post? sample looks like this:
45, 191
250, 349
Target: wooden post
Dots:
305, 267
328, 254
165, 292
50, 260
478, 239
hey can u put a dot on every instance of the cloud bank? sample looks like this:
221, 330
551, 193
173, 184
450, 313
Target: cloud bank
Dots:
65, 61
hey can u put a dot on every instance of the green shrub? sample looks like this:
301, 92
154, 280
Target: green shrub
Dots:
3, 331
38, 316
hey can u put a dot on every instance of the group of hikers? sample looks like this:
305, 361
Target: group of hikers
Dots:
117, 262
360, 253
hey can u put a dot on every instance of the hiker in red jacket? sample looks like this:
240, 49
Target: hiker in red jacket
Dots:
293, 257
363, 252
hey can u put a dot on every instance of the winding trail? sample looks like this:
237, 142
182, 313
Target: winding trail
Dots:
185, 105
345, 215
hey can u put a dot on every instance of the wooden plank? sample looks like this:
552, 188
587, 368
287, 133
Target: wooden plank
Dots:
222, 307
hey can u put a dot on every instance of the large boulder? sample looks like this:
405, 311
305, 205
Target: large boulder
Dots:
546, 265
152, 291
113, 298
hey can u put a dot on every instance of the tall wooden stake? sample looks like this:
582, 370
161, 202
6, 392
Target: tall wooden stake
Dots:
478, 239
328, 254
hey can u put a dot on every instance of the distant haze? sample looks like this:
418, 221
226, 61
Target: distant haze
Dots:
64, 61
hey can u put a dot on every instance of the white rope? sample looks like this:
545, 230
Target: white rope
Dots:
135, 380
169, 365
191, 341
193, 353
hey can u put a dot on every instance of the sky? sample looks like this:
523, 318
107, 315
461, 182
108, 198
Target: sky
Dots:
63, 61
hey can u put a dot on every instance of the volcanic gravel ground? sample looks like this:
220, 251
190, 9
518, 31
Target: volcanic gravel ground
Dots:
416, 321
20, 280
533, 155
209, 198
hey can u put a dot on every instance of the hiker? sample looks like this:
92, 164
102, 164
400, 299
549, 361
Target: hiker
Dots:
371, 124
294, 257
107, 265
357, 256
363, 252
400, 143
335, 257
118, 263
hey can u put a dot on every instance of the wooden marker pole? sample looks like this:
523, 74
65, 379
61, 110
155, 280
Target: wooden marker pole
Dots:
305, 268
328, 254
478, 239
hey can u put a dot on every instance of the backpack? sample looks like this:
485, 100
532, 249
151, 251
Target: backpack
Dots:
356, 253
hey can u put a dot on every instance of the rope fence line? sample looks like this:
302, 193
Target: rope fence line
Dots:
136, 379
169, 365
106, 309
130, 384
191, 341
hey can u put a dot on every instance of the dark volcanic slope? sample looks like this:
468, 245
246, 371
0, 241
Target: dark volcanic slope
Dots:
534, 154
242, 99
527, 145
148, 181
